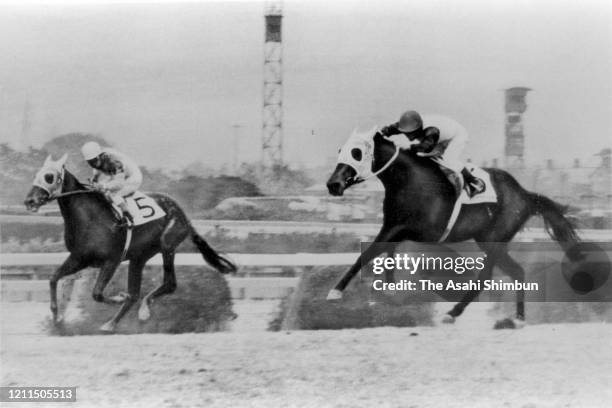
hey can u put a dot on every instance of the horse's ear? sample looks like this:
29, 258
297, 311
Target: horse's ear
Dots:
48, 160
373, 131
61, 162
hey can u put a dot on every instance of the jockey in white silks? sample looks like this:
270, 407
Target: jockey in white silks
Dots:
114, 174
440, 138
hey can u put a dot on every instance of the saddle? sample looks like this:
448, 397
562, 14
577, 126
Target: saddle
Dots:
489, 195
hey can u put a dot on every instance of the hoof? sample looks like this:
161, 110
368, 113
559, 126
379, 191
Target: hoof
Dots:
144, 313
118, 298
334, 294
509, 323
447, 319
108, 327
56, 317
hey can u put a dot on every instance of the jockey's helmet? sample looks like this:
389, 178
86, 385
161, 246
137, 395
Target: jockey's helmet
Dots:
91, 150
410, 121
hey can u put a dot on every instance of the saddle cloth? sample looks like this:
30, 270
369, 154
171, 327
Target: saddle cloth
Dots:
143, 208
487, 196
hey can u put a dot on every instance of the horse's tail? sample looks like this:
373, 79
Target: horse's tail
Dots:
557, 224
211, 256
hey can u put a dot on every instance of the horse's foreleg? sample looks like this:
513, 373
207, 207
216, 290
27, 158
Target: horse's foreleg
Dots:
134, 282
167, 286
106, 273
70, 266
385, 235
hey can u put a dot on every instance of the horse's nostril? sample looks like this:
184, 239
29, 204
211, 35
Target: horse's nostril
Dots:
334, 187
29, 203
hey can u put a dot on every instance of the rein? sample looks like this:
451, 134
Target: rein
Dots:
69, 193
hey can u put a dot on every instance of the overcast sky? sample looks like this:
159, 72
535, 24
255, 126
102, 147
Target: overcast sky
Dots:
166, 82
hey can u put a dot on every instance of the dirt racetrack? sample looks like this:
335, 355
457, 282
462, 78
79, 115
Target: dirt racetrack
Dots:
565, 365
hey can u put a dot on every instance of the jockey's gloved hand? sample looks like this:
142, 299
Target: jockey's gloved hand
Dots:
98, 187
435, 152
403, 142
430, 154
389, 130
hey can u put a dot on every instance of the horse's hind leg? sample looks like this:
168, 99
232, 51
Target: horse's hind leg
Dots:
134, 281
515, 271
70, 266
458, 309
167, 286
492, 251
174, 233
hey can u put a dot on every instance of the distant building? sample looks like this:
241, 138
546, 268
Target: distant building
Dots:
601, 177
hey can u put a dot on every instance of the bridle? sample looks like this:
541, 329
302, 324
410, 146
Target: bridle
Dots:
358, 179
59, 182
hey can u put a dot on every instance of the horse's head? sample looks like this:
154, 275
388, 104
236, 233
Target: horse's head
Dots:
355, 160
48, 181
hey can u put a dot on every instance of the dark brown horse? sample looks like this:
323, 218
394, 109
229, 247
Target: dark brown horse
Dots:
94, 239
418, 203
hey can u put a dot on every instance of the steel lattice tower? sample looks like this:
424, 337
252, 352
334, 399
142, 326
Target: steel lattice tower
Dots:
515, 107
272, 127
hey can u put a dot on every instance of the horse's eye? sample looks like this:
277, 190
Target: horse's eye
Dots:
339, 150
49, 178
356, 153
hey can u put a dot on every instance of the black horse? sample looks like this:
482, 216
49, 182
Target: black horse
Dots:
419, 200
94, 239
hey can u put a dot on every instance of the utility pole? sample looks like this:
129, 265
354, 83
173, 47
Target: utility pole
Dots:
235, 147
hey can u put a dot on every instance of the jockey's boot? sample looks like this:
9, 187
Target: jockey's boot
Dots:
473, 185
127, 220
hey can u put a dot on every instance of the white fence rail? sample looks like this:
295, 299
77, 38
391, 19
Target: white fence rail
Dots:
27, 288
238, 227
279, 260
248, 287
240, 288
255, 260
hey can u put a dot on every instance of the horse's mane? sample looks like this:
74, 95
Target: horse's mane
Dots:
408, 158
412, 157
77, 185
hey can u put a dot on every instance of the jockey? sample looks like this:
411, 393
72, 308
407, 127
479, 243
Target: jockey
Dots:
114, 174
440, 138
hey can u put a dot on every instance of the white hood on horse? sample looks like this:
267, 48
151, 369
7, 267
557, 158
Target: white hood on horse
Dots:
50, 176
358, 152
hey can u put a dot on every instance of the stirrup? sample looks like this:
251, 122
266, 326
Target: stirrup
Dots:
124, 222
475, 188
